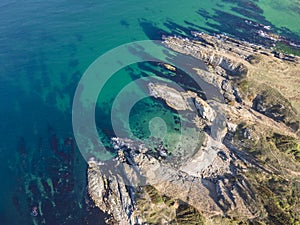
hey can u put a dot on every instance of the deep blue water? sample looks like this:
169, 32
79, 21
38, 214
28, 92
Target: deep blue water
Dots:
45, 47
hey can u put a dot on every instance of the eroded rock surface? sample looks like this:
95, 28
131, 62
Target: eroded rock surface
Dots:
110, 194
180, 100
246, 170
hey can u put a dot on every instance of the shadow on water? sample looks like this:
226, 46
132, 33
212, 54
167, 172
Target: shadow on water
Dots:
151, 30
154, 32
236, 26
223, 22
247, 8
178, 60
124, 23
177, 29
195, 27
179, 76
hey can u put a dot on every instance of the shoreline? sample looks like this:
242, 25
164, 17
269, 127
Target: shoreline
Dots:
219, 176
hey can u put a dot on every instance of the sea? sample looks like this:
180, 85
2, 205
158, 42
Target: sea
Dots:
45, 49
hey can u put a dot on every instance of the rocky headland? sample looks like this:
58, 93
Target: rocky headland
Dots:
246, 172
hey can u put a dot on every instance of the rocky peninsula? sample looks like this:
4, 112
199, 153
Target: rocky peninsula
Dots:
248, 173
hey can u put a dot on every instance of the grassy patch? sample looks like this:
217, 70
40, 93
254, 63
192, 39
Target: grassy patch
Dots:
286, 49
159, 209
286, 144
247, 89
273, 103
278, 196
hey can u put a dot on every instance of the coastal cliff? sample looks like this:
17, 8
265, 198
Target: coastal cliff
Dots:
248, 173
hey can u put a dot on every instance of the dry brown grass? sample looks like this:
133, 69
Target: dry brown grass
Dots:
282, 75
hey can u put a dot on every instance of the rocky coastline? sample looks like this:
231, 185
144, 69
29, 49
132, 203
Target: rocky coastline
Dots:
235, 176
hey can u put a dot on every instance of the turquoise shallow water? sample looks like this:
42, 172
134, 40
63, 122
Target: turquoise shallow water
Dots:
45, 47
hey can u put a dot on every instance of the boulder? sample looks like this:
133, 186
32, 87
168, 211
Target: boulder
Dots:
204, 109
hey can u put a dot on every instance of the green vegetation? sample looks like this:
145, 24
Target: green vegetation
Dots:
276, 103
276, 191
279, 197
270, 102
263, 147
286, 144
247, 89
286, 49
233, 221
156, 208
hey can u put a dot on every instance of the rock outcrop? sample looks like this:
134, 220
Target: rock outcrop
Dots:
182, 100
171, 96
237, 174
110, 194
211, 51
